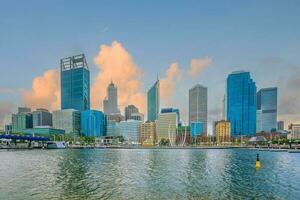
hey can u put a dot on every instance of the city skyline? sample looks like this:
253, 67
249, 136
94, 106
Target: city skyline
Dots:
200, 55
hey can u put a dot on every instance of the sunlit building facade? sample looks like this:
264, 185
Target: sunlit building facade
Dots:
241, 104
223, 132
148, 133
167, 124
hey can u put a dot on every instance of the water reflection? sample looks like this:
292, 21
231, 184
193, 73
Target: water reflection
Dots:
148, 174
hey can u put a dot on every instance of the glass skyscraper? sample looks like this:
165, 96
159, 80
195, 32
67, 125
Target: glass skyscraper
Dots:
198, 106
266, 109
75, 83
241, 103
153, 102
93, 123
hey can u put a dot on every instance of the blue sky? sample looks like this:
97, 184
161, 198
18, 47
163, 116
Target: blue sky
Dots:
259, 36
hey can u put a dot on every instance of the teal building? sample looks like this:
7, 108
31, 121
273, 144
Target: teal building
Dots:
93, 123
241, 104
153, 102
75, 83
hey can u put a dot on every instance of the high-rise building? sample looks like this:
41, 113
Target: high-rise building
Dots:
198, 105
75, 83
129, 110
223, 132
130, 130
68, 120
148, 133
153, 102
241, 104
166, 128
93, 123
110, 103
266, 119
21, 120
280, 125
41, 117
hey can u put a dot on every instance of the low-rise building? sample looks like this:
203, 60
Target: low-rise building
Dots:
196, 130
68, 120
43, 131
130, 130
167, 124
41, 117
295, 131
148, 133
223, 132
22, 120
112, 128
93, 123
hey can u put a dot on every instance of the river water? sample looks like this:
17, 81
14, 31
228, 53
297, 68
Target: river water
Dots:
148, 174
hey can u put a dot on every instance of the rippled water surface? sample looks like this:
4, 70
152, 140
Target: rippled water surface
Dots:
148, 174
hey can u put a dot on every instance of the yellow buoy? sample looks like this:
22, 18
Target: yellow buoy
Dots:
257, 163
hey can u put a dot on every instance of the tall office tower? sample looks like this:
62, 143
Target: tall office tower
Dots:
129, 110
280, 125
266, 110
241, 104
75, 83
153, 102
198, 105
41, 117
93, 123
110, 103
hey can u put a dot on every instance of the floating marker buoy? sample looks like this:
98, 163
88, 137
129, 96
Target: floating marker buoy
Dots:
257, 163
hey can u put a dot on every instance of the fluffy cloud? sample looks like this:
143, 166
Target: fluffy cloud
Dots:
198, 65
116, 64
168, 83
45, 92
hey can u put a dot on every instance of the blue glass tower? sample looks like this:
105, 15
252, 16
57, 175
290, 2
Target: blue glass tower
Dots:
241, 103
93, 123
153, 102
266, 110
75, 83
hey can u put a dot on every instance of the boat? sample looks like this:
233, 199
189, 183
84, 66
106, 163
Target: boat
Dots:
278, 150
56, 145
294, 151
